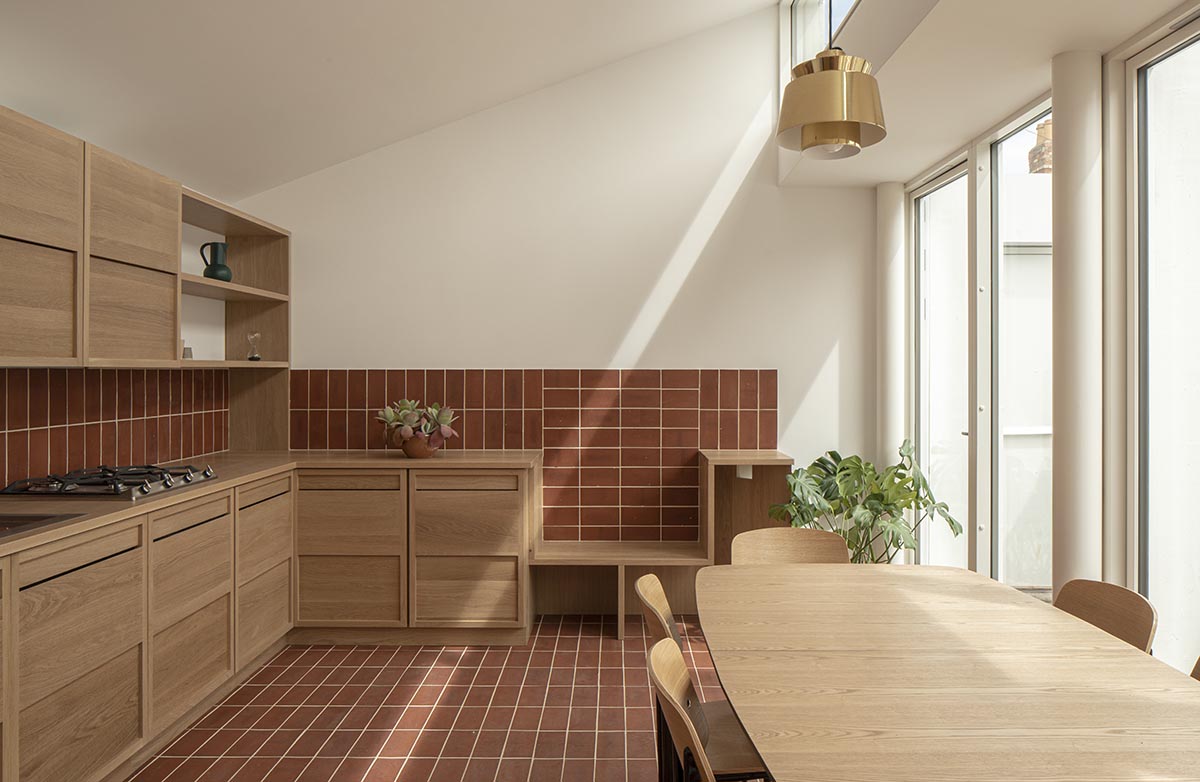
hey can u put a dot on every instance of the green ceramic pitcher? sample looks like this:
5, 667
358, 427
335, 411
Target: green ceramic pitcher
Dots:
214, 262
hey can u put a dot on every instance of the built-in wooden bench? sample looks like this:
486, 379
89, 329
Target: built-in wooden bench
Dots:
596, 577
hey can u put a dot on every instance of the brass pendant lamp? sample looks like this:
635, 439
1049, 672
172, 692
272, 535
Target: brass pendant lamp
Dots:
831, 107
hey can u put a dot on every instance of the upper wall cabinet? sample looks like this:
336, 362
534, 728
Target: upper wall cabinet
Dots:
41, 183
135, 213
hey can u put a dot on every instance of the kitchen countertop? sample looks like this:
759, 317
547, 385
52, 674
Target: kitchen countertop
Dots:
233, 468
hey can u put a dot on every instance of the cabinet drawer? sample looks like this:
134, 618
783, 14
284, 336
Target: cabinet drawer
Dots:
349, 481
53, 559
189, 569
351, 522
467, 522
189, 659
37, 301
460, 481
135, 213
41, 182
188, 514
352, 590
70, 623
83, 725
264, 536
264, 612
468, 591
263, 490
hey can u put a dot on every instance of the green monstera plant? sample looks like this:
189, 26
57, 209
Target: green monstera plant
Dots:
878, 513
409, 420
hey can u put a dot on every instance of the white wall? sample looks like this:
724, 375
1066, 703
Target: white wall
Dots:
625, 217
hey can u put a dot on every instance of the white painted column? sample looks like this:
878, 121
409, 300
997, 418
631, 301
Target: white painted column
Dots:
1078, 317
891, 342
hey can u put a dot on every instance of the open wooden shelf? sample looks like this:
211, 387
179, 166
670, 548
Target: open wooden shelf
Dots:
571, 552
209, 364
196, 285
212, 215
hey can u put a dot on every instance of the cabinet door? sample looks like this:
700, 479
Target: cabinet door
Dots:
80, 649
468, 549
37, 303
135, 214
41, 183
131, 313
352, 542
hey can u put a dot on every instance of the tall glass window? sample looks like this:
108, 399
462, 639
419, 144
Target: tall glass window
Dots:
944, 361
810, 25
1169, 233
1022, 368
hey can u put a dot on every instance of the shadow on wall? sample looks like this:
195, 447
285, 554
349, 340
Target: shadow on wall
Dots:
629, 215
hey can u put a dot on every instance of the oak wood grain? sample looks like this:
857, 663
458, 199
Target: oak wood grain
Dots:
876, 672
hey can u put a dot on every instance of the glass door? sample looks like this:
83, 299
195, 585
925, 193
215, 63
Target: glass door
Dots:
1168, 90
943, 401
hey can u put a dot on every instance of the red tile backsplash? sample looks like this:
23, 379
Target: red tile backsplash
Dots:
56, 420
620, 447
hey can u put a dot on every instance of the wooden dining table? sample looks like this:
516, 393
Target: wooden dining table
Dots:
885, 672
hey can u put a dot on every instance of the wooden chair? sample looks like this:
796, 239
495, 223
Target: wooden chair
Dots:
1114, 609
1196, 671
656, 611
706, 735
789, 546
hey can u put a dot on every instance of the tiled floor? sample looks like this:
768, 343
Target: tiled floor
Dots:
573, 704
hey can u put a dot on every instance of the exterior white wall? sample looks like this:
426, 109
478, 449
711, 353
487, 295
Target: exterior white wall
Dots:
629, 216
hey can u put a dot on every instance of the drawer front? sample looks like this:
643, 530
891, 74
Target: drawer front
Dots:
264, 612
352, 590
37, 301
189, 659
61, 556
263, 490
97, 716
466, 481
188, 514
482, 523
466, 591
135, 213
41, 182
332, 480
69, 623
351, 522
189, 569
264, 536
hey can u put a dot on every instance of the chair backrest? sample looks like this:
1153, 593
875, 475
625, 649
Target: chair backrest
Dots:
680, 705
1196, 671
1114, 609
660, 622
789, 546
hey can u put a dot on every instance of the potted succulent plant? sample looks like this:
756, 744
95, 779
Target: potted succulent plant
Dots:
418, 431
878, 513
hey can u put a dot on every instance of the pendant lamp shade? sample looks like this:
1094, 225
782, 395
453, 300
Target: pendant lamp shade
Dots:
831, 108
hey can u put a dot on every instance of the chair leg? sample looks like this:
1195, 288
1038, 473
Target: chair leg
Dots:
669, 767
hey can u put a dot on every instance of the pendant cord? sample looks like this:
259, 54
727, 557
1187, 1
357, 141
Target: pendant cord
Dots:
830, 3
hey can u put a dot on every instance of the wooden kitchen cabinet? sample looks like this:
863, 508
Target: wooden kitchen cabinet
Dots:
468, 566
191, 605
132, 314
135, 214
41, 183
264, 542
352, 546
38, 303
80, 614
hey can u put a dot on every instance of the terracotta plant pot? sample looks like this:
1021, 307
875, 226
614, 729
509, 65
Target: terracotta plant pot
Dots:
416, 448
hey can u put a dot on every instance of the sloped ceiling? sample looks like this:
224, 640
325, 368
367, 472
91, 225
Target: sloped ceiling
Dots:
966, 66
236, 96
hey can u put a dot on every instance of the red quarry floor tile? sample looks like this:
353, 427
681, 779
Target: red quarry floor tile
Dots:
573, 704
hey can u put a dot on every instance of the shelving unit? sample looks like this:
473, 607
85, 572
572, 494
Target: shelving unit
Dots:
257, 301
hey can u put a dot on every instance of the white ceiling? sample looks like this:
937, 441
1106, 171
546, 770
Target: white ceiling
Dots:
236, 96
967, 66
